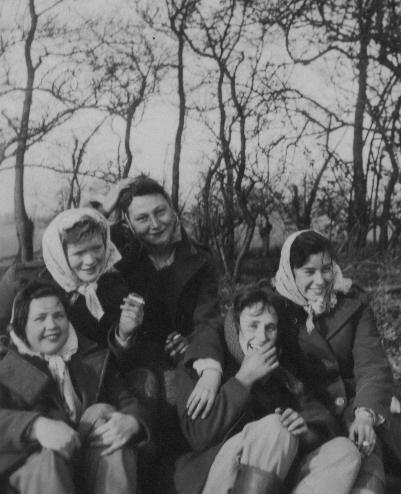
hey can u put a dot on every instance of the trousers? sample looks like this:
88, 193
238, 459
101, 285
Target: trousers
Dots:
46, 472
266, 444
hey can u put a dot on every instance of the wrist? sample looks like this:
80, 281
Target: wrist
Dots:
365, 414
244, 379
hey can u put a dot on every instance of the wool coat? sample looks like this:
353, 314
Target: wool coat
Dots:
27, 391
342, 360
234, 407
182, 297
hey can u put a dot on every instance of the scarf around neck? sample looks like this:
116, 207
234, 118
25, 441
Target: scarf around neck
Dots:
58, 368
57, 263
285, 284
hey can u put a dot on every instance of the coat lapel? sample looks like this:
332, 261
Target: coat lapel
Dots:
87, 369
335, 320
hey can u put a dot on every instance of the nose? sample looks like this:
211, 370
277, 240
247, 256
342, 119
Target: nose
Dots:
154, 222
50, 323
88, 259
318, 277
260, 335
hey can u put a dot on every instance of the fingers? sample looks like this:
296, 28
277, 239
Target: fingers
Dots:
209, 405
175, 344
291, 420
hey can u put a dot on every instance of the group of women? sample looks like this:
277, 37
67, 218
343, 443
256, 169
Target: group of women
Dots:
118, 340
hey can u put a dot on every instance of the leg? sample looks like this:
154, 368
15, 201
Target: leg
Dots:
264, 446
116, 472
44, 472
332, 468
371, 478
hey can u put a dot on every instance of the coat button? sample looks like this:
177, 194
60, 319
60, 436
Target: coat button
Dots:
340, 401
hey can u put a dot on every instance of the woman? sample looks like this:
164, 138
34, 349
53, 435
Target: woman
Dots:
80, 257
66, 417
177, 278
262, 422
330, 340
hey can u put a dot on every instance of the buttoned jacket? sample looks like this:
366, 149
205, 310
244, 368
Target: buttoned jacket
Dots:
342, 359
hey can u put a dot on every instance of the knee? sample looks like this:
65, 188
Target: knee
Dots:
269, 430
341, 449
94, 416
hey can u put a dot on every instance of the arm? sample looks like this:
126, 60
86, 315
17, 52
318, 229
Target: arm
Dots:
229, 408
207, 323
371, 369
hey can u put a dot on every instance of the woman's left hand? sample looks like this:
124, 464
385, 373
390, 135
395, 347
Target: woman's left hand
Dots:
176, 344
115, 433
292, 421
362, 433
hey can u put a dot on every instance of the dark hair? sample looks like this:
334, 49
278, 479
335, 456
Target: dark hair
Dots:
142, 186
22, 302
250, 295
307, 244
83, 229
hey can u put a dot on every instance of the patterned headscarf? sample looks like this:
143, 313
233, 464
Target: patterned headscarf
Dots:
58, 368
285, 285
57, 263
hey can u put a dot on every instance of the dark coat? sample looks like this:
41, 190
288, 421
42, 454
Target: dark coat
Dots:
342, 359
27, 391
111, 290
182, 297
234, 407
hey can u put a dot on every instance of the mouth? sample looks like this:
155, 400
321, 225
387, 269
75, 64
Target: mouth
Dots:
91, 270
53, 337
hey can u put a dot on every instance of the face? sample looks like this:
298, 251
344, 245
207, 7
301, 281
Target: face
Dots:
153, 220
258, 325
86, 258
315, 276
47, 325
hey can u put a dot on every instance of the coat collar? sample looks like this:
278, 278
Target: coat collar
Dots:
28, 377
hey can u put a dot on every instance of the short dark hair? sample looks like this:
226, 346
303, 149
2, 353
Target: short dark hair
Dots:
83, 229
142, 186
307, 244
22, 302
251, 295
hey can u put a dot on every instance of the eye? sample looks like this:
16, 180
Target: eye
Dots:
39, 318
326, 269
253, 325
309, 272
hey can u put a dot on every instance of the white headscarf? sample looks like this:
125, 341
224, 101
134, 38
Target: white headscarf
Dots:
285, 284
57, 263
58, 368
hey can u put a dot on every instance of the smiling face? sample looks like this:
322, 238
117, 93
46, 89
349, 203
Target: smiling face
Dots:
315, 276
153, 220
86, 258
258, 325
47, 325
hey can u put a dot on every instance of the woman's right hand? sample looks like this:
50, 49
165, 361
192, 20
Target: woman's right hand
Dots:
292, 421
111, 199
131, 318
257, 364
55, 435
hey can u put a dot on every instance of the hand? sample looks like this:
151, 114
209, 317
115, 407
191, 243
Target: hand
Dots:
292, 421
55, 435
113, 195
258, 363
362, 433
204, 393
131, 318
115, 432
176, 344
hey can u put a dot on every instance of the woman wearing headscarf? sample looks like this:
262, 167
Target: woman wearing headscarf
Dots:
331, 342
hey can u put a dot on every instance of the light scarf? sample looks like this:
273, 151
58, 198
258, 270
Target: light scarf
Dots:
285, 285
58, 368
57, 263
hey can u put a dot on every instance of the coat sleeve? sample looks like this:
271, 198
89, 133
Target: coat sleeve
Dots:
206, 338
13, 425
230, 407
371, 368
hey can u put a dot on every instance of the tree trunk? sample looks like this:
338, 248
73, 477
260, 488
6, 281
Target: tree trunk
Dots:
181, 120
23, 223
358, 219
